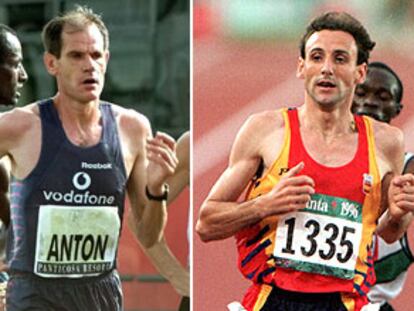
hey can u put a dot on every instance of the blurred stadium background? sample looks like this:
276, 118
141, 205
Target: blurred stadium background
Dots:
149, 70
245, 55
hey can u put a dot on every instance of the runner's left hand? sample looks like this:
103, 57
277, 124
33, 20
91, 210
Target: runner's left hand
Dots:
162, 161
401, 195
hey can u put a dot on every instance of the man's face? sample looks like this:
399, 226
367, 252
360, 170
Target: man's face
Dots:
80, 69
330, 67
376, 97
12, 73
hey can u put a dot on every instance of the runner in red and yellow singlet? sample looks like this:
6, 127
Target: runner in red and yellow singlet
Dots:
319, 178
329, 240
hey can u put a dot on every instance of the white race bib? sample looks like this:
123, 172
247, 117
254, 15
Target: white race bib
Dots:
76, 241
323, 238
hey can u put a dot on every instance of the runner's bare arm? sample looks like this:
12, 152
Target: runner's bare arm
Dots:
398, 190
181, 177
169, 267
220, 215
150, 215
160, 254
15, 127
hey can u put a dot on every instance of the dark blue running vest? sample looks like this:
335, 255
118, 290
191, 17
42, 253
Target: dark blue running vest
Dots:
66, 215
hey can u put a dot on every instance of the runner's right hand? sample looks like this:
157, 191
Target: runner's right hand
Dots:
291, 193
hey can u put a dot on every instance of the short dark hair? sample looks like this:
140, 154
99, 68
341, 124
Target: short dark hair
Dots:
77, 20
4, 43
343, 22
385, 67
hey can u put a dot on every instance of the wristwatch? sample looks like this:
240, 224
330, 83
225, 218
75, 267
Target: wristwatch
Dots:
162, 197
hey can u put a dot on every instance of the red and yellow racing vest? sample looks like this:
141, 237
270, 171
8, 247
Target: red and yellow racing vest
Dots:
326, 247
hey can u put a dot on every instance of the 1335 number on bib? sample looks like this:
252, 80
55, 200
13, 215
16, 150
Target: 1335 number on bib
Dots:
318, 243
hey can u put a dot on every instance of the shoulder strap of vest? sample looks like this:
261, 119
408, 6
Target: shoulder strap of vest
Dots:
110, 135
53, 135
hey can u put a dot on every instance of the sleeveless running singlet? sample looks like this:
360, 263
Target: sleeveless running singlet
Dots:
325, 247
66, 214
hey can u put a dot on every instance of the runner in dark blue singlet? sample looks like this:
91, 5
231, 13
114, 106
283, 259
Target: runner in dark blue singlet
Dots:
74, 157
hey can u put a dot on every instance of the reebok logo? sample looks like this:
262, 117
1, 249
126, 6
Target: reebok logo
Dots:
96, 166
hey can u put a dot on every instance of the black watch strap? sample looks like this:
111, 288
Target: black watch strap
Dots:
162, 197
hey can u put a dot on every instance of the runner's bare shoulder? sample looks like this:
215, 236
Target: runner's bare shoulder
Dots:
131, 121
389, 141
19, 121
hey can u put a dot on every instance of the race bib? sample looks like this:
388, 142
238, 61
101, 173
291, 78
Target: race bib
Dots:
323, 238
76, 241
